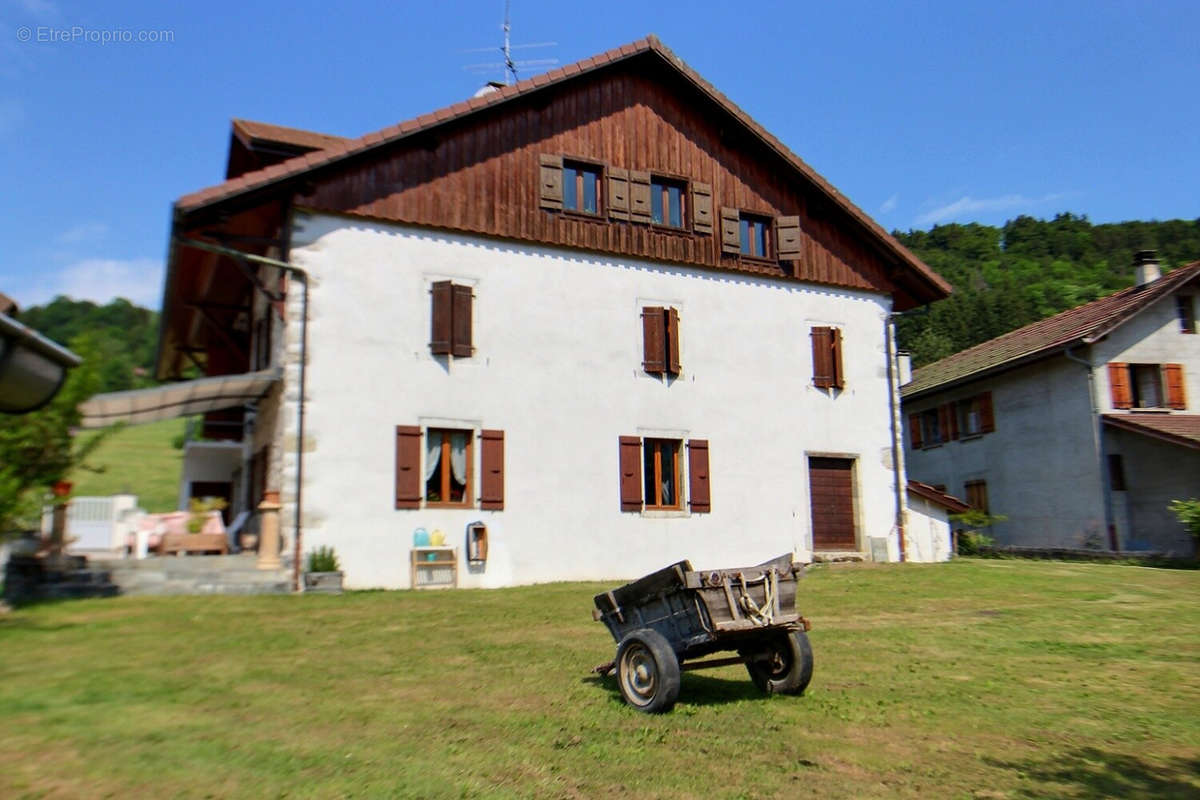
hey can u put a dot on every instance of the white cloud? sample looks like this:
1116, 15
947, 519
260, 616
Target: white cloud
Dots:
889, 205
85, 232
138, 280
970, 205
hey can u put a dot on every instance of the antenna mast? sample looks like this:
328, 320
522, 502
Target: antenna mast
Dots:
510, 75
509, 65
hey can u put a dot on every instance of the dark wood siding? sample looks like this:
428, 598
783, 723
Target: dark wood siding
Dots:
485, 175
831, 486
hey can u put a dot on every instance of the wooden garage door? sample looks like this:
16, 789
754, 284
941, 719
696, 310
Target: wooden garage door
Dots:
831, 486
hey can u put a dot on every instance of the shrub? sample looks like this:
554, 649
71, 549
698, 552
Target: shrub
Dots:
971, 543
323, 559
1188, 512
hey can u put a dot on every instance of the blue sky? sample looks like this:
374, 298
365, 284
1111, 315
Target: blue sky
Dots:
921, 113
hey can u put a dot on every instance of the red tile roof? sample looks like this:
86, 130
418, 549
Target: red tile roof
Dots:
946, 501
1180, 429
1077, 326
342, 148
264, 131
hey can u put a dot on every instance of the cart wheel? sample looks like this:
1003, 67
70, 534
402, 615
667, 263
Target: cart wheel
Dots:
647, 671
784, 666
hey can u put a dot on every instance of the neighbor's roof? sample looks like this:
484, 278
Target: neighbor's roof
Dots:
341, 149
1076, 326
1181, 429
249, 131
934, 495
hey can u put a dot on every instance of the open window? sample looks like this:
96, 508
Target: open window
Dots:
652, 474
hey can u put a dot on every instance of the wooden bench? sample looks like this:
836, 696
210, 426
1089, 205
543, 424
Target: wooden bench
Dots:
177, 543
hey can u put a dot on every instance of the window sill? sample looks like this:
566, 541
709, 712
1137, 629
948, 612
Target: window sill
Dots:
970, 437
585, 216
659, 227
1150, 410
665, 513
764, 261
931, 446
442, 506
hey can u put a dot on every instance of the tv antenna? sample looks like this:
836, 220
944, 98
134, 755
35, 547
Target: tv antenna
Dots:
508, 66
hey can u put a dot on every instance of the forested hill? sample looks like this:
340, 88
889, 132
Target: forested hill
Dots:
1029, 269
122, 335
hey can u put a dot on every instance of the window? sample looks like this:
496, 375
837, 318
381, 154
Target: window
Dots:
755, 236
1116, 472
651, 474
932, 431
448, 467
1147, 386
977, 495
581, 187
450, 317
660, 471
1187, 313
827, 358
667, 202
660, 340
973, 416
436, 466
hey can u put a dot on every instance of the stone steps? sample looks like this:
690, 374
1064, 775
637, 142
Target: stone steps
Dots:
197, 575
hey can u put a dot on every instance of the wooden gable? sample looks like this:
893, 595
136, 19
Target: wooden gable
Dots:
484, 174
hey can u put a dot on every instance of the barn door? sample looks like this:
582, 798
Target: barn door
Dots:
831, 488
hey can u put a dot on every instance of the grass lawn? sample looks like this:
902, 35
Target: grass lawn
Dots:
140, 460
978, 678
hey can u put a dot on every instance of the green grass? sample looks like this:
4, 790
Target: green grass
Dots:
139, 460
977, 678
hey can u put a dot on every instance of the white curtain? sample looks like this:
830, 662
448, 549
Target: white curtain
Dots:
458, 456
433, 452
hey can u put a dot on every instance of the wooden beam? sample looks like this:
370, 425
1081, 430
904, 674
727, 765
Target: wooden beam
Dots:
233, 344
218, 306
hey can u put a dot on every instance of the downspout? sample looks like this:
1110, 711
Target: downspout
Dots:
302, 276
897, 444
1101, 451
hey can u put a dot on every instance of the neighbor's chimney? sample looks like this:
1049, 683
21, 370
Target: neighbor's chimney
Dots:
1145, 267
904, 366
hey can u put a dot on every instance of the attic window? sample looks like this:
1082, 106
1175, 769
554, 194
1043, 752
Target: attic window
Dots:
755, 235
667, 202
581, 187
1187, 313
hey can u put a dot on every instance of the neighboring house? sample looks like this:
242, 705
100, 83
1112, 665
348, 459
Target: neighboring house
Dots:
930, 531
601, 312
1080, 428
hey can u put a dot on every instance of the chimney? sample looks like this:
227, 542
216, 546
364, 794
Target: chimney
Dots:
1145, 267
904, 366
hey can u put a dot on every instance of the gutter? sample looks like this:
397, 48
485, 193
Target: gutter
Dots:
299, 274
1100, 450
889, 333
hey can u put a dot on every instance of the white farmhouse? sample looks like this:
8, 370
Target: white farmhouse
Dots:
599, 321
1080, 428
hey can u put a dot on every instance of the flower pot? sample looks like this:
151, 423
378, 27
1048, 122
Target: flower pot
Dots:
61, 488
323, 582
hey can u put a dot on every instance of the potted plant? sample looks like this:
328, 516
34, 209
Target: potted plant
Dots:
322, 573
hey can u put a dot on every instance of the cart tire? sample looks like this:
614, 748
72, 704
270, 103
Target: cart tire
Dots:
648, 671
786, 665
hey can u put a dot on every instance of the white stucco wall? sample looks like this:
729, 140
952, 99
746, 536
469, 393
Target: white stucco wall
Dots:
928, 531
207, 461
1040, 463
557, 367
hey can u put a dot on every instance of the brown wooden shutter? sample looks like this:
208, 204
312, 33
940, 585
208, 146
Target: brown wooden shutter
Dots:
987, 419
631, 473
822, 350
1176, 398
408, 466
639, 196
702, 211
731, 231
914, 430
653, 339
551, 181
1118, 383
951, 421
618, 193
672, 326
839, 376
787, 237
441, 332
461, 345
491, 465
943, 412
699, 494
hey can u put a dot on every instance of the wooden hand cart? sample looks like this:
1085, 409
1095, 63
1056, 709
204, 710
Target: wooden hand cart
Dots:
664, 620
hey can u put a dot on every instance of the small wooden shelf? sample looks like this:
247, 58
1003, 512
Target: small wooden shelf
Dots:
438, 572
